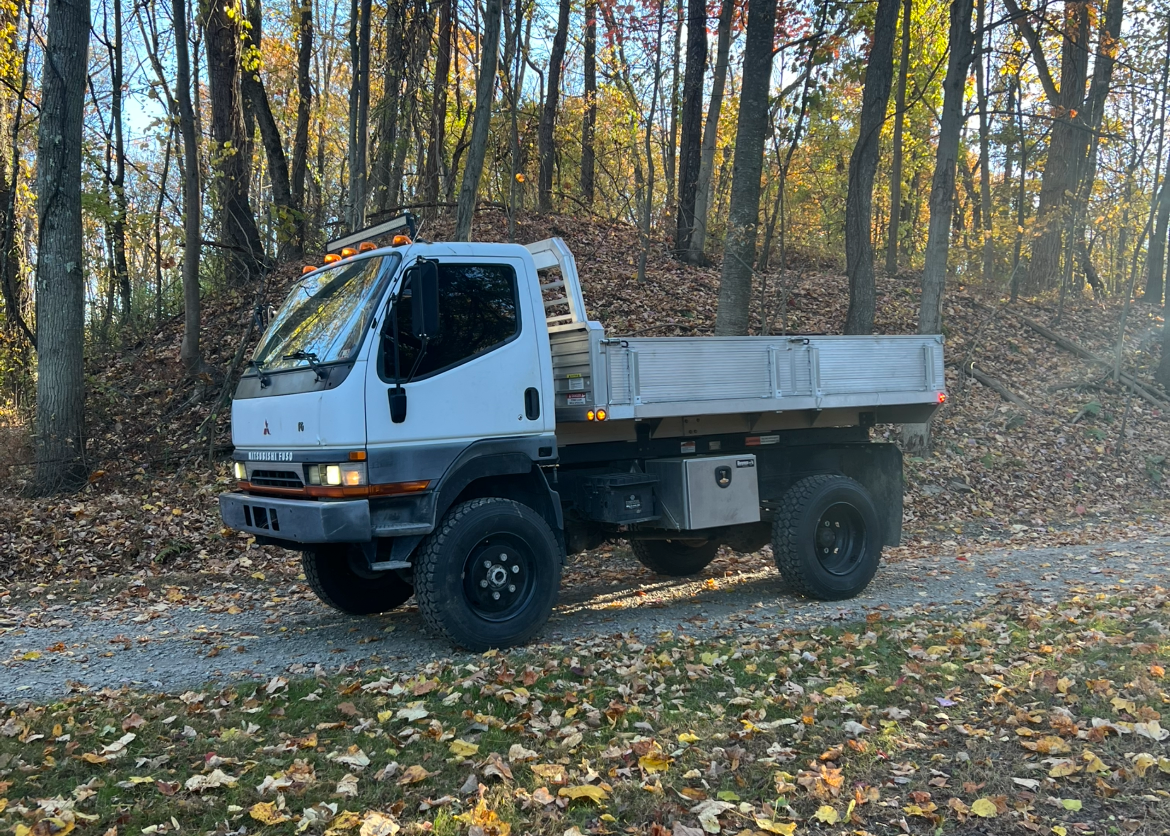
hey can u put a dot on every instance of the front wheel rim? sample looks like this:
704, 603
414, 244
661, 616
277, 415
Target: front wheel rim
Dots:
499, 577
840, 539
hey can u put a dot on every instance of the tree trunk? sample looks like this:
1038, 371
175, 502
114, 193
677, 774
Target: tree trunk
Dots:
588, 124
670, 149
189, 353
985, 212
735, 280
435, 148
485, 87
916, 437
516, 64
60, 277
389, 110
360, 117
240, 238
422, 27
300, 154
1022, 195
691, 135
548, 116
118, 180
253, 87
10, 252
863, 161
648, 192
942, 188
1060, 175
711, 136
1108, 44
1156, 255
896, 161
1162, 374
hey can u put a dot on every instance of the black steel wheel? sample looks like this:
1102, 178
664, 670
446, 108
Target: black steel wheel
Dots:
499, 576
826, 538
489, 575
676, 558
340, 576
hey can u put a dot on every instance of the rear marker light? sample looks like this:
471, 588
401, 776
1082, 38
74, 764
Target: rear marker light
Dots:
942, 397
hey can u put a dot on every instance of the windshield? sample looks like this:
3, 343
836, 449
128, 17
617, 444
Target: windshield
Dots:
326, 315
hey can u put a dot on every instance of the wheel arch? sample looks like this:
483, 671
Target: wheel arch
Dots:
508, 475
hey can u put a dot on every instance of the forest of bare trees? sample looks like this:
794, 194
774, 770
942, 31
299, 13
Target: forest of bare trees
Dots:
161, 154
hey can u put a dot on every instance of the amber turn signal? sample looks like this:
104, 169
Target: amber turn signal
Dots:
366, 246
332, 258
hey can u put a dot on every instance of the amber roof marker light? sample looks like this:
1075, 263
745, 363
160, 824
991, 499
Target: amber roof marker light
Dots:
332, 258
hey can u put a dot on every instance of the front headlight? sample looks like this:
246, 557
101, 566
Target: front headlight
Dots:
240, 470
350, 474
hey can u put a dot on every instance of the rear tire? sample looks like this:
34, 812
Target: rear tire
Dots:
489, 575
826, 538
676, 558
336, 573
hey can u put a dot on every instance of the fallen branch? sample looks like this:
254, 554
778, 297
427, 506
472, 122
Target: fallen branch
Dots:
1094, 383
999, 388
1132, 383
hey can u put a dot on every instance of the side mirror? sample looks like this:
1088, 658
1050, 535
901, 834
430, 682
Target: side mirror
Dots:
424, 296
397, 404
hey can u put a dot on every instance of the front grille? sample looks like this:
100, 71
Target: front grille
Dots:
276, 478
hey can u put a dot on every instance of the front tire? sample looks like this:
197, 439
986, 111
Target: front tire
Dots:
337, 573
826, 538
675, 558
489, 575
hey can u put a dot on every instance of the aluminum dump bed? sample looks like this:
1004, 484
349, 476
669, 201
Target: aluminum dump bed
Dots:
893, 378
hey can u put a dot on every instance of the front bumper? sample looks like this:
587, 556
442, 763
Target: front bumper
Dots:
298, 520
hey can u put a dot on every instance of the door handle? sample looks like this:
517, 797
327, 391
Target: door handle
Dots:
531, 403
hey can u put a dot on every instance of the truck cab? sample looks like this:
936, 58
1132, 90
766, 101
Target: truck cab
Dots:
442, 420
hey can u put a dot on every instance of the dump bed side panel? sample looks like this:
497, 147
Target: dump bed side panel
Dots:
654, 377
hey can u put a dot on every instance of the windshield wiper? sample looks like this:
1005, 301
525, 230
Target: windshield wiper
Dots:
258, 365
318, 370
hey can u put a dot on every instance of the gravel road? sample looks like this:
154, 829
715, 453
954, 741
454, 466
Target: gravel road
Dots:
48, 649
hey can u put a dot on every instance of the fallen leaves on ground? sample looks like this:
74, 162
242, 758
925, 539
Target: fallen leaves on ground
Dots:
1039, 713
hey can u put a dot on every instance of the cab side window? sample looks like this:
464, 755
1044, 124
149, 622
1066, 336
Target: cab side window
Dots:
479, 310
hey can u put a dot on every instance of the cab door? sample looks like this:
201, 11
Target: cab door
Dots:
480, 378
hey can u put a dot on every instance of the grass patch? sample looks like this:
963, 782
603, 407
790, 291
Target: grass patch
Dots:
1022, 717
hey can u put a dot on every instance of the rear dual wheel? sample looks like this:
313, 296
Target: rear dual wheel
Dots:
675, 558
826, 538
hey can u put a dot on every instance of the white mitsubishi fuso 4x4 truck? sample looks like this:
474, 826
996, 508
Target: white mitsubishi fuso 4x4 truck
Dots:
442, 420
